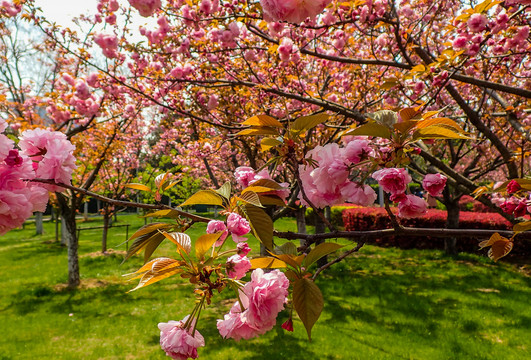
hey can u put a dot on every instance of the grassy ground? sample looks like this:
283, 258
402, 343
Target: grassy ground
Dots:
380, 304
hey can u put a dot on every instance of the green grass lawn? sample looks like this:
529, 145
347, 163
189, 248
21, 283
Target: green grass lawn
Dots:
379, 304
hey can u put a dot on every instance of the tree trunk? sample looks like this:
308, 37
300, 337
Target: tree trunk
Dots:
452, 222
69, 234
106, 218
85, 211
38, 223
64, 235
56, 211
300, 215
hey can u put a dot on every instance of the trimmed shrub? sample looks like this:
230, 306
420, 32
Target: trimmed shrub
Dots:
376, 218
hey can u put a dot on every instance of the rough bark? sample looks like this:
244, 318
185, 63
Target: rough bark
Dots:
106, 218
38, 223
69, 234
452, 222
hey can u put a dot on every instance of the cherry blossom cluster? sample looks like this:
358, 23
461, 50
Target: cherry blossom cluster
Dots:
516, 203
41, 154
246, 176
10, 9
262, 299
294, 11
495, 29
395, 181
327, 179
82, 99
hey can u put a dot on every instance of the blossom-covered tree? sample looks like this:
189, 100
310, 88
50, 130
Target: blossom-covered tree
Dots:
302, 101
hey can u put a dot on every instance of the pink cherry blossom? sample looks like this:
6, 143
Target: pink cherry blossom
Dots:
146, 8
82, 89
513, 186
13, 158
294, 11
177, 342
267, 295
434, 184
215, 226
10, 9
392, 180
509, 205
288, 325
53, 153
243, 248
244, 175
3, 125
6, 145
359, 194
357, 150
520, 209
322, 184
412, 206
263, 298
108, 44
237, 266
477, 22
238, 226
14, 209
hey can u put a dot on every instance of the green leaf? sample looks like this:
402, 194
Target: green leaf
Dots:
319, 251
156, 270
389, 83
288, 248
268, 143
440, 121
437, 132
147, 237
152, 244
308, 122
524, 183
204, 197
225, 190
271, 199
172, 184
370, 129
405, 126
250, 197
268, 183
205, 243
182, 240
291, 260
410, 113
150, 228
522, 226
384, 117
267, 263
261, 224
263, 120
308, 302
256, 189
141, 187
263, 130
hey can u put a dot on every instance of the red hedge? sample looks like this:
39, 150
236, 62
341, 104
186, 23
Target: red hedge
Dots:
375, 218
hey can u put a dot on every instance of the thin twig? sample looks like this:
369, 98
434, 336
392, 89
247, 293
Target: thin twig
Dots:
124, 203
